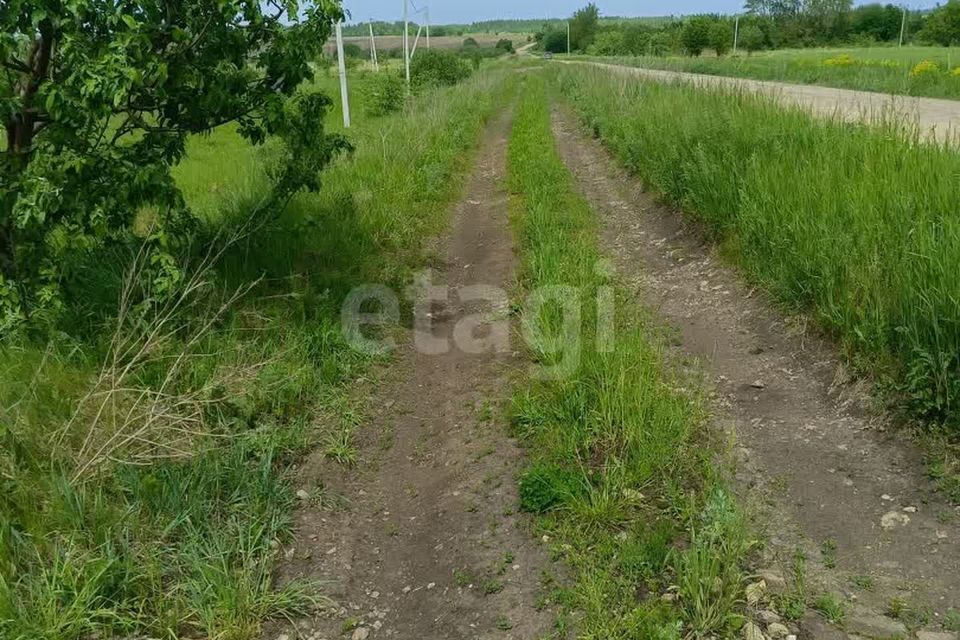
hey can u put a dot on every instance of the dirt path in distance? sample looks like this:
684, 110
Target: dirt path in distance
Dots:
937, 119
426, 544
830, 477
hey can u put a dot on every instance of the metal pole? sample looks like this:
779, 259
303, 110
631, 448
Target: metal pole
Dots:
344, 97
903, 25
736, 33
428, 27
373, 50
416, 40
568, 37
406, 41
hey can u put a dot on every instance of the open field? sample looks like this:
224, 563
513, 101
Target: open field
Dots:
881, 69
532, 350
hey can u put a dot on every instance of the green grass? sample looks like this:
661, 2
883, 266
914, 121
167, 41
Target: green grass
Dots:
174, 533
882, 69
855, 226
621, 468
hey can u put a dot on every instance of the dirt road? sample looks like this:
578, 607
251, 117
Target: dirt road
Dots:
421, 539
826, 472
936, 119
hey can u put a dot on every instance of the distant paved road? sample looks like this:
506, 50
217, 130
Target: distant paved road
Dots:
937, 119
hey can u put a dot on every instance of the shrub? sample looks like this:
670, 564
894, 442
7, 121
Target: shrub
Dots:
842, 60
383, 93
925, 68
695, 35
721, 37
505, 45
436, 68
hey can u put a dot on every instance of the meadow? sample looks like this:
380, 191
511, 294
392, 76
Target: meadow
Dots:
916, 71
145, 467
855, 226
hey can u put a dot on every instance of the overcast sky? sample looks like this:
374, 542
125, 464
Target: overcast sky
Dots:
458, 11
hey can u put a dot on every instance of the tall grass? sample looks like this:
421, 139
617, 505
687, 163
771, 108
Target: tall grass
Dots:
622, 467
145, 480
857, 226
880, 69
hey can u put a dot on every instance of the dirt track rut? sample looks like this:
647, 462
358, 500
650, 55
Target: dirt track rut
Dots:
427, 545
830, 476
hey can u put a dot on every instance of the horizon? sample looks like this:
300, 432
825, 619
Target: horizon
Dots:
444, 12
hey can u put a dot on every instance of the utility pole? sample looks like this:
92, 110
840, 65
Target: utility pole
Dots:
428, 27
568, 37
736, 33
903, 25
406, 41
344, 97
373, 49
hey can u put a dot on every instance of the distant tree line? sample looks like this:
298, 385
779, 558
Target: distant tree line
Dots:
766, 24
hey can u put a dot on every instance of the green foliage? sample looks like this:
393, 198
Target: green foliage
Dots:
99, 102
721, 37
384, 93
697, 34
544, 487
437, 68
750, 38
943, 25
505, 45
734, 162
583, 27
554, 41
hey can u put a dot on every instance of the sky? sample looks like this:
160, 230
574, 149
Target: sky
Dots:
460, 11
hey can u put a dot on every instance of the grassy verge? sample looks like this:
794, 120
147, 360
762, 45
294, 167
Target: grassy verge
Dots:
145, 479
621, 471
854, 225
881, 69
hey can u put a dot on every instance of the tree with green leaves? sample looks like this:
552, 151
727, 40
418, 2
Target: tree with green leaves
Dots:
751, 38
98, 97
583, 27
696, 34
943, 25
721, 37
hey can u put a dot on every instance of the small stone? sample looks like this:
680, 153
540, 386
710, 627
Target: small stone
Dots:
545, 539
814, 627
874, 626
407, 589
360, 633
778, 631
303, 494
894, 519
289, 553
752, 632
758, 384
668, 597
283, 636
910, 509
755, 592
774, 580
431, 585
768, 617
